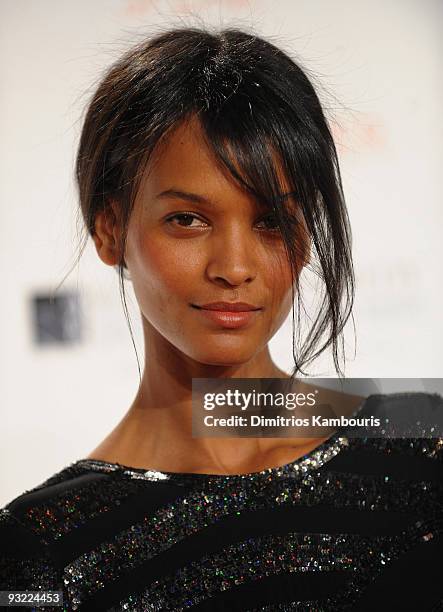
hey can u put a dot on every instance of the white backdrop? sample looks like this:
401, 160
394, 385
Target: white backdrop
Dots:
379, 64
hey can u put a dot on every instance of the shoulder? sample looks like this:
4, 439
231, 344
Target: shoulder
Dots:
402, 415
76, 500
419, 401
29, 525
49, 508
26, 558
45, 529
408, 444
56, 486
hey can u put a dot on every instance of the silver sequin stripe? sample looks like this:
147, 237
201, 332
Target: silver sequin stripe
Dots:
199, 509
74, 507
158, 532
256, 558
90, 572
252, 559
325, 452
344, 601
331, 604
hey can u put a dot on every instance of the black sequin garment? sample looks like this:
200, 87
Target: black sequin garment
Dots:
356, 524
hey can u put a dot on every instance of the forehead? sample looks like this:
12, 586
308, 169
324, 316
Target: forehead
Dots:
184, 158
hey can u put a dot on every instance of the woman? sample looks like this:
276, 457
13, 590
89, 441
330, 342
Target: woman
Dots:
207, 174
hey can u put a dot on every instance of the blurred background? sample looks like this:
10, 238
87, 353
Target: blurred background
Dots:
68, 367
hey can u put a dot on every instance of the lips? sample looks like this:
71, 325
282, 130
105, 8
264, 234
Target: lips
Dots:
229, 306
229, 315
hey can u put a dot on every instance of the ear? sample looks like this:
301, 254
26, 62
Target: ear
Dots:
107, 233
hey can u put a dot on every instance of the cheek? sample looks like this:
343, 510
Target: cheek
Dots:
166, 268
277, 272
279, 281
162, 275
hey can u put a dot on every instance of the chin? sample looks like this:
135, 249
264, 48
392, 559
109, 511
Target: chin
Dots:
223, 364
222, 350
224, 358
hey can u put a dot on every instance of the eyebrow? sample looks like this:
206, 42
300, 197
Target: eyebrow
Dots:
183, 195
199, 199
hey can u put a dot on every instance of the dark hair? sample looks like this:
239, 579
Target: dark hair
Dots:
253, 102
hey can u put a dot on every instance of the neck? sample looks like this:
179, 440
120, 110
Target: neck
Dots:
157, 429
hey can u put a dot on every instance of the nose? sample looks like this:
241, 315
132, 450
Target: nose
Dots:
231, 258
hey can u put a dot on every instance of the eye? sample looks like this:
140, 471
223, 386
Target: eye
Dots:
185, 218
271, 223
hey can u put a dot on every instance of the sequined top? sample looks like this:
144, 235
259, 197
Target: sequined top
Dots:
355, 524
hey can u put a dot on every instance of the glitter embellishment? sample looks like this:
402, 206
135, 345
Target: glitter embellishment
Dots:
256, 558
250, 559
192, 510
215, 497
324, 453
68, 510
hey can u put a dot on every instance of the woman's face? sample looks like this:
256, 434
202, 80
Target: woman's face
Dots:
194, 238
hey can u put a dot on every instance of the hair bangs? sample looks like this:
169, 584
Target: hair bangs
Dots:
248, 143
